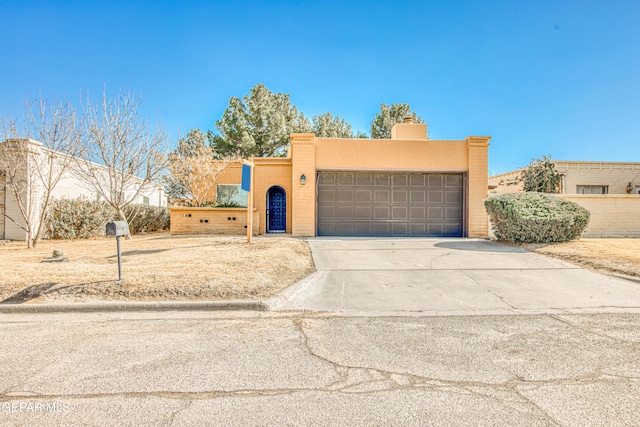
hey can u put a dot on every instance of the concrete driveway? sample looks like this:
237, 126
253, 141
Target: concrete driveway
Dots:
450, 276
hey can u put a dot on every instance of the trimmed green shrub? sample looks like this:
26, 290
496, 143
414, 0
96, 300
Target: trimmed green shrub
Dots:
82, 218
536, 218
205, 204
228, 205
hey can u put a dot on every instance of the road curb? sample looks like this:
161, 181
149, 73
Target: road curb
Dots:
249, 305
278, 301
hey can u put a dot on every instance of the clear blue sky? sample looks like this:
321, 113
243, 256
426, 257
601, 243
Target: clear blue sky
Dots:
541, 77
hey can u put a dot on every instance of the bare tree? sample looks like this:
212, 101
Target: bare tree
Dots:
194, 174
123, 157
35, 157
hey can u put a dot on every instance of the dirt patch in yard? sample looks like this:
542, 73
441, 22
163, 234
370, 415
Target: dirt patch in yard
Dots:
156, 267
617, 256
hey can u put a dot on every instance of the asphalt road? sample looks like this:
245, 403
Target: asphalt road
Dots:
287, 369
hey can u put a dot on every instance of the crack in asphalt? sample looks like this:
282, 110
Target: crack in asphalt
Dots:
353, 379
592, 332
524, 400
172, 416
413, 381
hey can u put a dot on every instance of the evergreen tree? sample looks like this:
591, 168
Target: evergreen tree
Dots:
389, 116
258, 125
541, 176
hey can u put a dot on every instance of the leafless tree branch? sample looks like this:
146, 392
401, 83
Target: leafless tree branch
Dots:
36, 157
123, 157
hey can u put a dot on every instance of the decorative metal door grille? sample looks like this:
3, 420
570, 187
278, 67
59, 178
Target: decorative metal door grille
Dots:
277, 210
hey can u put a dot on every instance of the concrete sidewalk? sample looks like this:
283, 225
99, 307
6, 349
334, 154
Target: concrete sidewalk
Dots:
450, 276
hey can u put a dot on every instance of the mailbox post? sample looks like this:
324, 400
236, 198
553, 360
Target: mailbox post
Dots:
118, 229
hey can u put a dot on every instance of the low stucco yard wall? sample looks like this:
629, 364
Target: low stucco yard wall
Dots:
612, 215
212, 221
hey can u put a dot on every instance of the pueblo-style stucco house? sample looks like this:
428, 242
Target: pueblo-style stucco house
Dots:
610, 191
408, 185
578, 177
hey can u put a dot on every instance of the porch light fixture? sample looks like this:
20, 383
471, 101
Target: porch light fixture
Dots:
303, 179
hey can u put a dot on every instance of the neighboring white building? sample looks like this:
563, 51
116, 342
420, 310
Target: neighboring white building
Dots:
69, 187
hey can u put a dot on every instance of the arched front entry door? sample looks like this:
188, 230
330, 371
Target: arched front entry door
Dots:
276, 210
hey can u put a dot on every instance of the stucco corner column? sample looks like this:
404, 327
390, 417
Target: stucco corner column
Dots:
303, 197
478, 220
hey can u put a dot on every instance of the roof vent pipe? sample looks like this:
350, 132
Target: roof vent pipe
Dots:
408, 120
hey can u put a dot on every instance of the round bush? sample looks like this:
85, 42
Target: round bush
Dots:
536, 218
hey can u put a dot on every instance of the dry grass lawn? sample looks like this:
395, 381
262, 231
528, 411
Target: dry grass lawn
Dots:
618, 256
160, 267
156, 267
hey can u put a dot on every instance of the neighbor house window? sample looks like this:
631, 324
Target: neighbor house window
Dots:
592, 189
145, 201
231, 195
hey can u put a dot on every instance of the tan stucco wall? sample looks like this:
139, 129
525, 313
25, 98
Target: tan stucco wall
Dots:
468, 156
477, 220
389, 154
616, 175
308, 155
409, 131
218, 220
509, 182
611, 215
303, 161
270, 171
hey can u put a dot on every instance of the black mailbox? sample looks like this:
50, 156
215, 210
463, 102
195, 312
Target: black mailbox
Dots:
117, 228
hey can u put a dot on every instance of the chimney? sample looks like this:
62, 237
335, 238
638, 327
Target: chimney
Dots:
409, 130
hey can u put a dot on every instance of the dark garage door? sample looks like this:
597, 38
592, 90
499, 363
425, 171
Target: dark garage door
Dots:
390, 204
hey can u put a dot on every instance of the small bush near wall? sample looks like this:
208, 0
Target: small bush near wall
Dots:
81, 218
536, 218
147, 218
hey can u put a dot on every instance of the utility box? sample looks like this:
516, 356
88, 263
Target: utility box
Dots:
117, 228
